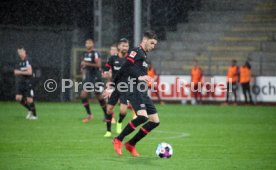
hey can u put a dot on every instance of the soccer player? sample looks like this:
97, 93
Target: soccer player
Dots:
90, 66
114, 63
134, 71
113, 50
196, 80
24, 86
245, 78
151, 85
232, 78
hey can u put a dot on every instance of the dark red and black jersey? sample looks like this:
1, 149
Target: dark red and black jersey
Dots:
135, 66
114, 63
92, 57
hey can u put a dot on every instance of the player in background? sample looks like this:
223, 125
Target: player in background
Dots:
196, 82
232, 80
24, 86
245, 78
134, 72
113, 50
151, 85
90, 67
114, 63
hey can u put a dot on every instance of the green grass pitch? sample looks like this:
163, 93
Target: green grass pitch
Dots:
203, 137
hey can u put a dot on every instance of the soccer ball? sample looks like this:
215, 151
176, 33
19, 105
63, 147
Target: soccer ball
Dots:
164, 150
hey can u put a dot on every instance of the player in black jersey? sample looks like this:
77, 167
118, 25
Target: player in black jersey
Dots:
24, 86
90, 66
113, 49
114, 63
134, 71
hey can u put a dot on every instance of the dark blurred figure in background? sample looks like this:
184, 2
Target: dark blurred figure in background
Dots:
245, 77
113, 49
24, 85
196, 82
232, 80
90, 67
114, 63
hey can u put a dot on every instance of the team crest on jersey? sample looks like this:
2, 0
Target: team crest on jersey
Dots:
132, 54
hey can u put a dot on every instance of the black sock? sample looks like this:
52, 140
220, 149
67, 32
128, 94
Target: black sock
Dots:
32, 106
131, 126
85, 103
24, 103
108, 122
121, 117
143, 132
103, 105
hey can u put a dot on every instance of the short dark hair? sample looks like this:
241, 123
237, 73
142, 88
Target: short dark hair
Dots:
150, 35
234, 61
89, 39
123, 40
114, 45
21, 47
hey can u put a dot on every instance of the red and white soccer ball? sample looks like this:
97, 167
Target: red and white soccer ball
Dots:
164, 150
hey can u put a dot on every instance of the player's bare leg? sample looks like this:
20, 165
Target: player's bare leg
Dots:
122, 115
23, 101
85, 102
108, 120
103, 104
30, 102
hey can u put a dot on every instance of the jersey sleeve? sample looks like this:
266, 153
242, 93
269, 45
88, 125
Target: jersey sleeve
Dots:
28, 63
128, 68
134, 56
97, 56
109, 63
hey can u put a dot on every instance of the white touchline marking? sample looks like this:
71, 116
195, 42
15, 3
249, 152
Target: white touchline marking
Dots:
175, 136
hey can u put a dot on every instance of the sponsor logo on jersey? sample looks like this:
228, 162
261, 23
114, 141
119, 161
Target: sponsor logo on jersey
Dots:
132, 54
116, 68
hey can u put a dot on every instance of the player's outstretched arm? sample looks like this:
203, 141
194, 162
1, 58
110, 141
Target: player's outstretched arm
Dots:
27, 72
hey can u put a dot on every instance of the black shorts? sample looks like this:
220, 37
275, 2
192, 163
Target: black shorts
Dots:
25, 89
141, 101
93, 84
115, 96
234, 86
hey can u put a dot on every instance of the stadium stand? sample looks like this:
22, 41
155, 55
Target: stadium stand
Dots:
220, 31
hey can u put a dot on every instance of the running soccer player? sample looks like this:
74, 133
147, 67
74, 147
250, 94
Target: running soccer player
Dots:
90, 66
24, 86
114, 63
134, 71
